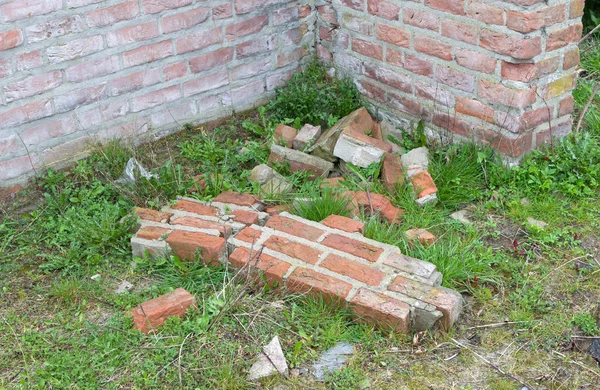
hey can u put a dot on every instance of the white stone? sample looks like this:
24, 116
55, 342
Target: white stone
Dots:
428, 199
124, 287
96, 277
537, 223
270, 361
415, 161
461, 216
261, 174
356, 152
306, 137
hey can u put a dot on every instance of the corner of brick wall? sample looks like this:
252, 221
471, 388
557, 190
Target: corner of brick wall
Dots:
498, 73
76, 72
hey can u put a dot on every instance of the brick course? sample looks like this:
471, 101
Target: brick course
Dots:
377, 282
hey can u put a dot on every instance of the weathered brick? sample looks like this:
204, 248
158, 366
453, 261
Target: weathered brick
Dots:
392, 173
375, 204
454, 78
199, 40
498, 93
304, 280
474, 108
486, 13
383, 9
196, 208
353, 269
562, 85
418, 65
151, 232
113, 14
295, 228
127, 35
274, 269
367, 48
75, 49
183, 20
391, 78
10, 39
175, 70
561, 38
249, 235
205, 83
223, 229
300, 161
22, 9
293, 249
352, 246
222, 11
385, 312
187, 245
237, 198
393, 35
155, 6
475, 61
460, 31
520, 48
343, 223
148, 53
79, 98
421, 19
152, 215
155, 98
433, 47
246, 27
152, 314
33, 85
91, 69
421, 235
423, 184
453, 6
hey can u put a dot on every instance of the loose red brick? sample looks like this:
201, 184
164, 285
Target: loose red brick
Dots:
352, 269
475, 61
187, 244
421, 19
10, 39
152, 314
522, 48
284, 135
236, 198
152, 215
383, 9
447, 301
202, 224
155, 6
383, 311
460, 31
453, 6
304, 280
367, 48
421, 235
392, 173
423, 184
474, 108
249, 234
563, 37
393, 35
486, 13
113, 14
433, 47
293, 249
352, 246
498, 93
378, 203
151, 232
343, 223
294, 228
245, 217
196, 208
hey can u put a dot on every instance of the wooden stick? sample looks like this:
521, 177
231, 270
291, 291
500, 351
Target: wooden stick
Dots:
588, 35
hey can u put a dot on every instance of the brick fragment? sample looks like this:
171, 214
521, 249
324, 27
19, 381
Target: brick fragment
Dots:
421, 235
392, 173
423, 184
153, 215
293, 227
353, 269
273, 269
352, 246
343, 223
249, 234
187, 244
378, 203
152, 314
278, 209
246, 217
304, 280
300, 161
383, 311
284, 135
293, 249
10, 39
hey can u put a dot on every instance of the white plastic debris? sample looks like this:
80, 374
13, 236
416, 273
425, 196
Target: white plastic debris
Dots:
130, 169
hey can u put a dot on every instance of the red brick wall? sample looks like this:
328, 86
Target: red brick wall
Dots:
500, 72
79, 71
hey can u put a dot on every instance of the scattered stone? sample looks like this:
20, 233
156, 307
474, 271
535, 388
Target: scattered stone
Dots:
124, 287
271, 181
376, 132
152, 314
270, 361
359, 120
391, 171
462, 216
300, 161
332, 182
370, 204
357, 148
537, 223
429, 199
332, 360
343, 223
284, 135
261, 174
422, 235
415, 161
96, 277
306, 137
525, 202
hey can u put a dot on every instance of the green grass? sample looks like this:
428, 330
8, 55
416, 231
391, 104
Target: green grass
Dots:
321, 203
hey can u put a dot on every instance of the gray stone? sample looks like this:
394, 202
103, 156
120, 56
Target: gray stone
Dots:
415, 161
537, 223
306, 136
124, 287
425, 318
388, 129
261, 174
462, 216
428, 199
269, 362
277, 185
332, 359
357, 152
300, 161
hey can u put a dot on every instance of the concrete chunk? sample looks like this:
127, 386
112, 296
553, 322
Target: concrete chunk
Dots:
306, 136
300, 161
415, 161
